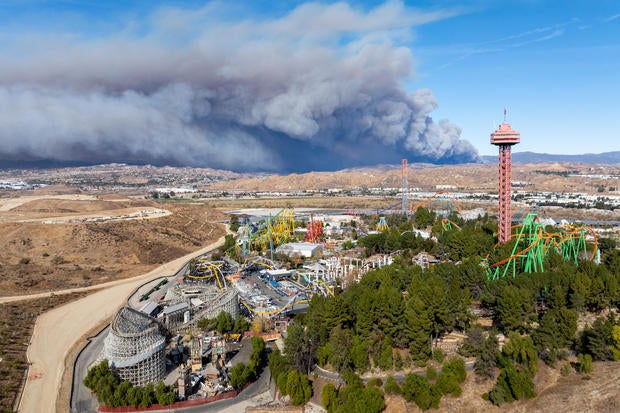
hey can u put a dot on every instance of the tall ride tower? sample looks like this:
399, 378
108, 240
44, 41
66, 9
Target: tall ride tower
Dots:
405, 187
504, 137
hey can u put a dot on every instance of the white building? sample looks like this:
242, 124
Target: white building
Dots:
304, 249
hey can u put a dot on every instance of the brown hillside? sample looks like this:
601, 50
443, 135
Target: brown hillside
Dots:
541, 177
40, 257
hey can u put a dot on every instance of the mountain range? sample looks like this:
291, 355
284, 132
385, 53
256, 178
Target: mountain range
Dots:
518, 157
533, 157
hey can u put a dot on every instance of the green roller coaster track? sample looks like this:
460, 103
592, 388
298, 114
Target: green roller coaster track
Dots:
532, 243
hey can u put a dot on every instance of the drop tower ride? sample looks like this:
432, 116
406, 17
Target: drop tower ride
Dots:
504, 137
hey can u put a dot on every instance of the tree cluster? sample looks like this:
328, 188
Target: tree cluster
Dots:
289, 381
519, 363
426, 391
393, 309
354, 397
224, 323
241, 373
111, 392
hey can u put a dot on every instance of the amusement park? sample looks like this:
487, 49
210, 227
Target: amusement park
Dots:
393, 286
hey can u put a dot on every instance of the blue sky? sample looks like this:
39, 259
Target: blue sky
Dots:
555, 65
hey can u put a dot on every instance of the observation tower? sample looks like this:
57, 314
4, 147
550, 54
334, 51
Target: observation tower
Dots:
504, 137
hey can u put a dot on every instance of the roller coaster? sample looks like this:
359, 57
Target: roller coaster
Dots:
318, 286
382, 224
207, 270
256, 263
532, 243
295, 300
270, 233
441, 203
448, 225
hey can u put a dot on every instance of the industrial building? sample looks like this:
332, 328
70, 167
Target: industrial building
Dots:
135, 347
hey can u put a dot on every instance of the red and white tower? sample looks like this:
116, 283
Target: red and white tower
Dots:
405, 186
504, 137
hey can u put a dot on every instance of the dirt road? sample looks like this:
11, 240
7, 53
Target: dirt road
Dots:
57, 330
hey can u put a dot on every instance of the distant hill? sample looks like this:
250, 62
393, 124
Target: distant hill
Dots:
532, 157
41, 164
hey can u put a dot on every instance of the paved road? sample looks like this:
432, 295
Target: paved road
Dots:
56, 331
81, 399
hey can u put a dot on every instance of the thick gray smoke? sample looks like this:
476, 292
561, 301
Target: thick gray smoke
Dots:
319, 88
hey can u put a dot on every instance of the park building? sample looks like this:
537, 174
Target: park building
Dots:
303, 249
135, 347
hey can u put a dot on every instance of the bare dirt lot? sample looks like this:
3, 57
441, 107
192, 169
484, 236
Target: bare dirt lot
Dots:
35, 256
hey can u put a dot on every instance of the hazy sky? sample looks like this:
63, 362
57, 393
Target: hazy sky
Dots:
278, 85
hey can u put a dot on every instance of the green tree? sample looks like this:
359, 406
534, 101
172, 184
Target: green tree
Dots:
204, 324
391, 386
419, 390
160, 392
277, 363
579, 291
515, 309
224, 322
329, 397
122, 392
338, 349
241, 325
300, 347
556, 330
447, 383
423, 218
486, 359
398, 361
298, 387
281, 382
420, 327
521, 350
456, 367
234, 223
472, 345
359, 354
585, 363
386, 361
256, 356
598, 339
615, 349
354, 397
134, 395
512, 384
148, 395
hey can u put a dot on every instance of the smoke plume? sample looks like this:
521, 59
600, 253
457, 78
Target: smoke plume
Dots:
318, 88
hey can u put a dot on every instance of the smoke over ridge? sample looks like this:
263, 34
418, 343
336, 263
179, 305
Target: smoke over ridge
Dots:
319, 88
